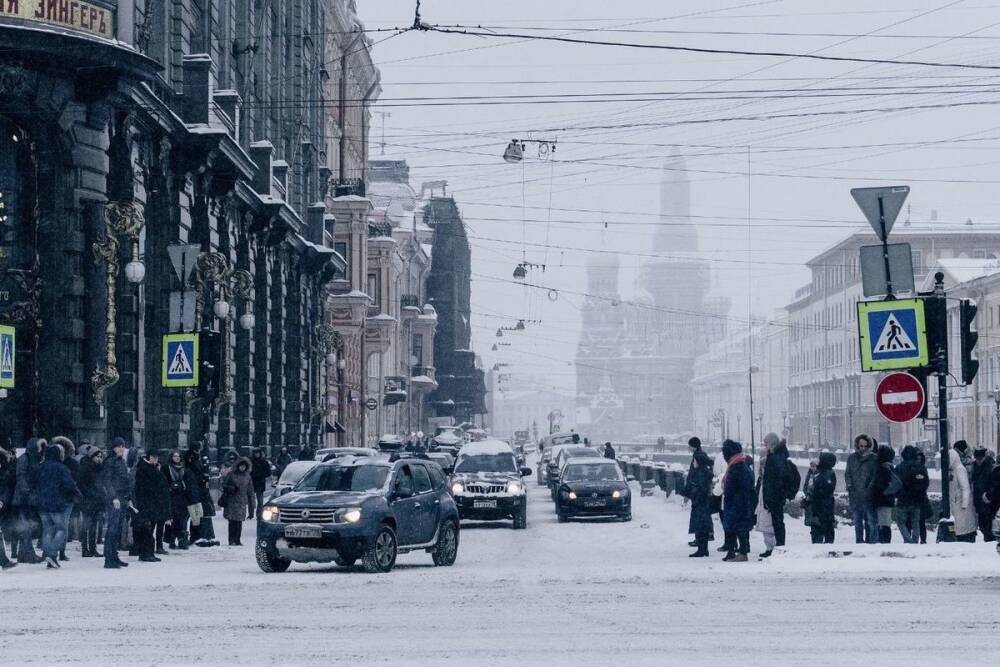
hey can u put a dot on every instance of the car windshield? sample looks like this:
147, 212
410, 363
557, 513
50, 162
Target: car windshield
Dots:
293, 473
592, 472
357, 479
486, 463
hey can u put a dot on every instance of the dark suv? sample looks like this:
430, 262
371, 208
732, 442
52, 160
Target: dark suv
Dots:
487, 483
364, 508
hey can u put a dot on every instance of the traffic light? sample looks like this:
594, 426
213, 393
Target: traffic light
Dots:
967, 314
211, 363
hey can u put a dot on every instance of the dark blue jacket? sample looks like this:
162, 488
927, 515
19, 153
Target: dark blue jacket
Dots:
54, 486
738, 498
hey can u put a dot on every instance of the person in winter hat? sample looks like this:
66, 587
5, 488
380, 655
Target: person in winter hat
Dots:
771, 493
698, 490
824, 483
25, 500
152, 504
117, 484
56, 492
93, 500
860, 481
982, 467
886, 484
737, 502
963, 510
260, 472
912, 494
239, 499
609, 451
70, 461
965, 454
180, 484
8, 480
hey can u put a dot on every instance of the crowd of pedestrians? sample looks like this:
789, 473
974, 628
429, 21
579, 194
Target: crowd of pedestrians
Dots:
753, 496
118, 500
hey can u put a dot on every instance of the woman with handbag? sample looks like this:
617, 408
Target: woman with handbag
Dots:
238, 501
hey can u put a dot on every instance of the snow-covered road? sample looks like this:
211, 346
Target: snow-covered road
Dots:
577, 593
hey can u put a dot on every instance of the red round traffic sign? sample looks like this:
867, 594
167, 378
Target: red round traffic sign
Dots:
900, 397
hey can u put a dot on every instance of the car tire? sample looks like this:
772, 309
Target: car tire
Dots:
561, 518
626, 518
380, 555
521, 518
446, 550
268, 563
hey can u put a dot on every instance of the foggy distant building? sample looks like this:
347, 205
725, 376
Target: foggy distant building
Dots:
635, 360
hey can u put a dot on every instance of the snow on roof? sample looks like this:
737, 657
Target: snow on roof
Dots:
959, 270
485, 447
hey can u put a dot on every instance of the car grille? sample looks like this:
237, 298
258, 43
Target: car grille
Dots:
305, 515
483, 489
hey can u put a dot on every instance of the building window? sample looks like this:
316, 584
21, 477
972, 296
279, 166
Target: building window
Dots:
342, 249
418, 349
373, 291
917, 258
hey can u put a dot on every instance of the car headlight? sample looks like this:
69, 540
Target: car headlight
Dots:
514, 487
618, 494
571, 495
348, 515
269, 513
458, 488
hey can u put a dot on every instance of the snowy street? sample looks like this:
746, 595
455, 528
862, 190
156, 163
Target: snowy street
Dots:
576, 593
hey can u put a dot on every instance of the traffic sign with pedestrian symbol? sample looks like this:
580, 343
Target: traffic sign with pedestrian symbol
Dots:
8, 357
893, 334
180, 360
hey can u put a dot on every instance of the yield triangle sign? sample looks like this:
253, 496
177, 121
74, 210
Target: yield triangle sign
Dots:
893, 338
180, 364
881, 205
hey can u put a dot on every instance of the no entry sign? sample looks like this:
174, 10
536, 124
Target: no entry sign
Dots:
900, 397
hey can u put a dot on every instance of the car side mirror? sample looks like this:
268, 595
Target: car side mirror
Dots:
525, 472
403, 491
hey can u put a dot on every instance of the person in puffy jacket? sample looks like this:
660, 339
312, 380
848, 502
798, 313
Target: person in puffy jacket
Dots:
56, 493
737, 502
152, 504
963, 511
93, 501
771, 493
884, 495
240, 501
698, 490
260, 472
912, 495
860, 481
8, 480
181, 483
117, 485
982, 467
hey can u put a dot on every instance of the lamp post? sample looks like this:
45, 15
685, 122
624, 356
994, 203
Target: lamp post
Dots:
996, 402
341, 398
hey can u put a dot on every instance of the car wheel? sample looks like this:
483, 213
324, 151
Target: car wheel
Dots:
380, 555
268, 563
626, 518
561, 518
521, 519
446, 550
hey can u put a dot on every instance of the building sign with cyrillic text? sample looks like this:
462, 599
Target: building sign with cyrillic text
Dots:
86, 17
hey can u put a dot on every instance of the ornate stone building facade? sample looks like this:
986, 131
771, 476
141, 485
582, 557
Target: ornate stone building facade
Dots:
197, 124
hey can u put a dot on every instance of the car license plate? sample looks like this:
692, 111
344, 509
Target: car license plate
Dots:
598, 502
303, 530
484, 504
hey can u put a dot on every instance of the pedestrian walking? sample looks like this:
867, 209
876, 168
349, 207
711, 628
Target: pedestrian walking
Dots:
284, 458
25, 501
92, 502
963, 511
860, 481
180, 484
56, 494
887, 485
698, 490
152, 505
238, 501
982, 467
8, 480
260, 472
737, 502
71, 462
609, 451
912, 496
117, 485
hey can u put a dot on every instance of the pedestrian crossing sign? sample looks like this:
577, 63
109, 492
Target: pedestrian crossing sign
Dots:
893, 334
180, 360
8, 357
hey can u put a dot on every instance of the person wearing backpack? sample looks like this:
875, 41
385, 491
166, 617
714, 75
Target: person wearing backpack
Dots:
772, 492
912, 494
887, 485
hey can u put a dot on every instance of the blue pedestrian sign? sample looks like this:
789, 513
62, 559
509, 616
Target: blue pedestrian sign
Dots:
180, 360
893, 334
8, 357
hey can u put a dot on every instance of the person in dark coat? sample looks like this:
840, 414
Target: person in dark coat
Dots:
152, 504
912, 495
772, 488
860, 482
820, 498
25, 500
71, 462
609, 451
93, 501
180, 483
982, 467
307, 453
117, 484
737, 502
992, 495
698, 490
8, 480
884, 496
202, 531
56, 493
240, 501
284, 458
260, 472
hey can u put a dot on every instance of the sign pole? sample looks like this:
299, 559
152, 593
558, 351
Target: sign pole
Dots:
885, 249
946, 527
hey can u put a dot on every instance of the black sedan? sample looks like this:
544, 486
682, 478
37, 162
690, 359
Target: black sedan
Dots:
592, 487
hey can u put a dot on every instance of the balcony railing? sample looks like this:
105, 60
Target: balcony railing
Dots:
409, 301
416, 371
349, 186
